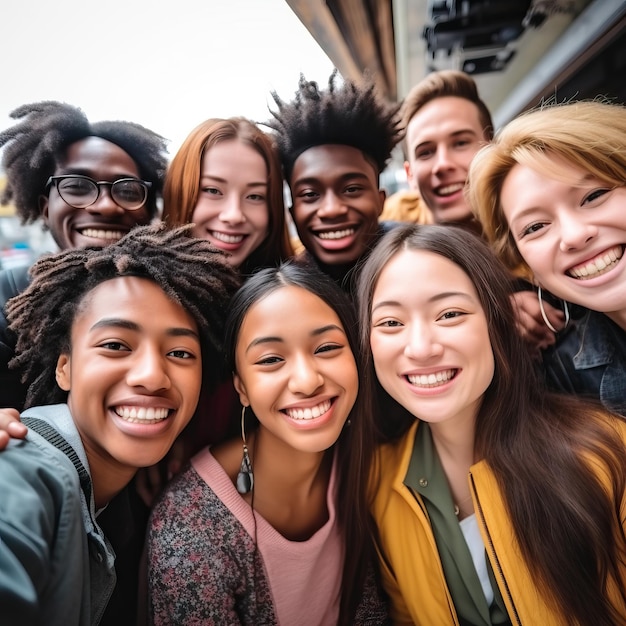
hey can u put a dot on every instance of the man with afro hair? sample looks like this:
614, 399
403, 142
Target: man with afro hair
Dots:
333, 144
88, 182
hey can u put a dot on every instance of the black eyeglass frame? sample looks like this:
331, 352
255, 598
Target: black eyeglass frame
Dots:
54, 180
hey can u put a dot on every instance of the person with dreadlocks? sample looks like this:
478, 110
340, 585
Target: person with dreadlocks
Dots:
88, 183
333, 145
110, 386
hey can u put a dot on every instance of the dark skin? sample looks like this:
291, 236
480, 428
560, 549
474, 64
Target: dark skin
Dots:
336, 203
103, 222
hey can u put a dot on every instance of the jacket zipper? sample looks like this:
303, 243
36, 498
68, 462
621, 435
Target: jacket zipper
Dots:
492, 552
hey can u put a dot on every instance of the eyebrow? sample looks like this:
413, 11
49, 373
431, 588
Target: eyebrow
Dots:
456, 133
219, 179
274, 339
315, 179
436, 298
82, 171
117, 322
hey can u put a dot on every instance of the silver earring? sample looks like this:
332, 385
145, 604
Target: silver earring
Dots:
545, 317
245, 477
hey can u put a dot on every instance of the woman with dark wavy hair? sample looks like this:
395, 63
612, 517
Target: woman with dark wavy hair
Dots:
497, 502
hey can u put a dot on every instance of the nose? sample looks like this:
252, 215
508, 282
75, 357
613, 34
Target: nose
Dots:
422, 343
231, 212
305, 379
575, 232
105, 205
331, 206
148, 370
443, 159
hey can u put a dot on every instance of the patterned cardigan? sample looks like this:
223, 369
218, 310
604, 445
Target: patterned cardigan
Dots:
207, 570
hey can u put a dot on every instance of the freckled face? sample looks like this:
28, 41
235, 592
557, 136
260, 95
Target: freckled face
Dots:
133, 377
571, 233
232, 210
296, 370
431, 347
336, 203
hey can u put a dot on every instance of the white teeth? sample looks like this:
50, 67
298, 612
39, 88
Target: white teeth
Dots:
598, 265
94, 233
337, 234
309, 413
227, 238
140, 414
431, 380
449, 189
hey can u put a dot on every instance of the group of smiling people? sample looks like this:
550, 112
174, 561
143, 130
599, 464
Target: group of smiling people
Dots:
368, 434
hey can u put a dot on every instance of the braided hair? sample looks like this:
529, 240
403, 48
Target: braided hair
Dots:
34, 146
348, 114
190, 271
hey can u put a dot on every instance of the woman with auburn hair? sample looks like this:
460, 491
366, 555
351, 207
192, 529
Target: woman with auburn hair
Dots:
550, 192
496, 501
226, 179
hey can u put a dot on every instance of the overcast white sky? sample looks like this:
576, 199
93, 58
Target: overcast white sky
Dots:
166, 64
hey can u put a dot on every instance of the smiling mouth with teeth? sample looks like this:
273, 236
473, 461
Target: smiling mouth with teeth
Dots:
337, 234
100, 233
227, 238
602, 264
448, 190
142, 415
431, 380
309, 413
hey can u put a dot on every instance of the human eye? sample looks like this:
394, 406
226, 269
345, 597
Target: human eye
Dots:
308, 195
353, 189
268, 360
424, 153
211, 191
256, 197
114, 346
181, 354
328, 347
76, 186
531, 229
595, 195
451, 314
388, 323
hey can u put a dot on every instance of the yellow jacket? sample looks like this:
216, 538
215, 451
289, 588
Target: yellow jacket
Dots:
411, 569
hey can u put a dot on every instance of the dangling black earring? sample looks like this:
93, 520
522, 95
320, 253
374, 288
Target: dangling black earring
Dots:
245, 477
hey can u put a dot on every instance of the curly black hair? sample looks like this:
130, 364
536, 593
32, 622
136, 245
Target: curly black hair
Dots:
189, 270
34, 146
349, 114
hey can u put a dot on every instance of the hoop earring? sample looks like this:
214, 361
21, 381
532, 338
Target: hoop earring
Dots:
545, 317
245, 477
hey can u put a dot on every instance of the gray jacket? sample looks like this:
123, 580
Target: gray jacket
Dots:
56, 566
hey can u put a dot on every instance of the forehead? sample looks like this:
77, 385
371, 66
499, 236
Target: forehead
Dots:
233, 153
94, 153
286, 311
132, 298
435, 273
442, 117
330, 161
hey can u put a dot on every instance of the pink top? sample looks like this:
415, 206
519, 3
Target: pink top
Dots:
304, 576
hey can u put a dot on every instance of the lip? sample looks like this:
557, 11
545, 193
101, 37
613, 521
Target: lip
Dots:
303, 422
336, 238
449, 197
230, 246
142, 423
432, 381
591, 268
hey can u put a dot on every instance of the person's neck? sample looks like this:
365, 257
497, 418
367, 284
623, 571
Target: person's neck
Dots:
619, 317
107, 478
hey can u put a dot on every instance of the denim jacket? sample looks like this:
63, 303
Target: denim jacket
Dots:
56, 566
589, 360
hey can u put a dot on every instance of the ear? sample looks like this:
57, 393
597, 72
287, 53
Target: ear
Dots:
382, 194
409, 176
241, 390
43, 207
63, 371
